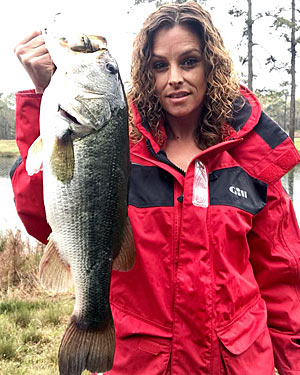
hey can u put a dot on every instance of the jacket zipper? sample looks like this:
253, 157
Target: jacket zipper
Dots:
163, 158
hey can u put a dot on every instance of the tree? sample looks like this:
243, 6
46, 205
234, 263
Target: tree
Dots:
275, 104
290, 37
249, 22
247, 32
7, 117
160, 2
250, 45
293, 75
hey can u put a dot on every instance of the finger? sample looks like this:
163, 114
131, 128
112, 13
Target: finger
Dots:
30, 44
36, 59
28, 38
42, 61
26, 51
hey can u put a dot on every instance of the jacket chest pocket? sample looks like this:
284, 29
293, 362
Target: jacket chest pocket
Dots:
236, 188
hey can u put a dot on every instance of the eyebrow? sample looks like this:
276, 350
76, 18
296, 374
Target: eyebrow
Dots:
187, 52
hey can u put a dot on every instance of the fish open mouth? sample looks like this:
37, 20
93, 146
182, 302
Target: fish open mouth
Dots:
68, 116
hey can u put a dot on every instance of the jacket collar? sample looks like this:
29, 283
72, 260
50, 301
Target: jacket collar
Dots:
246, 115
277, 154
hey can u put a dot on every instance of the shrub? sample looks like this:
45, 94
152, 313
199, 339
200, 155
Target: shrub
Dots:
32, 336
19, 263
7, 349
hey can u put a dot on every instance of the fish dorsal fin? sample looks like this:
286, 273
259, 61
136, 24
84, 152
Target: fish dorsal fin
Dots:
34, 161
55, 274
125, 259
62, 160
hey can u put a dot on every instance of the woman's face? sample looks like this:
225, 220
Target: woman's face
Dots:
179, 72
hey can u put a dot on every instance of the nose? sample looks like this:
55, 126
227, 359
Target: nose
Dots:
175, 75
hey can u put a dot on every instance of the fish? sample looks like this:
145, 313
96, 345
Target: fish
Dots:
83, 151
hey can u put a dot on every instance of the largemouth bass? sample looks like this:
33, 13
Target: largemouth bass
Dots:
84, 154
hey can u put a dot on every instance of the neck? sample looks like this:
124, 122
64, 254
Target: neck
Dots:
180, 128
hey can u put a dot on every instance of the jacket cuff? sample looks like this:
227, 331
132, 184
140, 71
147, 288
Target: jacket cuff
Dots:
27, 119
28, 93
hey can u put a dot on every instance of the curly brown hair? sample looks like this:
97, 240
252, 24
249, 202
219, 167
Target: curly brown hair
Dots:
222, 84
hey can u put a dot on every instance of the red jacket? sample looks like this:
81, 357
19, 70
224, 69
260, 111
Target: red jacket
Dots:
215, 287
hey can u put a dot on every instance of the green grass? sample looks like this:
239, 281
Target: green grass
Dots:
8, 148
32, 322
297, 143
30, 334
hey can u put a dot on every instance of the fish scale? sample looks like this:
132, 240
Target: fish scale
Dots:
85, 157
99, 203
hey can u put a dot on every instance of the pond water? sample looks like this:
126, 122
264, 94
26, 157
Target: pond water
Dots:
8, 214
10, 220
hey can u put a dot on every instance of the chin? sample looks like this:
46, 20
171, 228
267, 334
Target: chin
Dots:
180, 114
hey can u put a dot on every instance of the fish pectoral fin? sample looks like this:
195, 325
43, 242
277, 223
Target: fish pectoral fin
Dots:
34, 161
62, 159
55, 274
125, 259
91, 350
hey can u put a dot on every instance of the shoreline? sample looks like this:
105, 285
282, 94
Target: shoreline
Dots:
9, 154
9, 149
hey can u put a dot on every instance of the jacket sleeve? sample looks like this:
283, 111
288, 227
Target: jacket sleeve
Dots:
275, 255
28, 190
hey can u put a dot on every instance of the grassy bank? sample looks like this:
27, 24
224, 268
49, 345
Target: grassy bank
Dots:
8, 148
30, 332
297, 143
31, 321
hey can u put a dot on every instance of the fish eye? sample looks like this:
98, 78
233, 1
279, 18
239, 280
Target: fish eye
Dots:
111, 68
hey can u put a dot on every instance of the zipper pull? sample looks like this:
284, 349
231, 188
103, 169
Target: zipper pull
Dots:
200, 185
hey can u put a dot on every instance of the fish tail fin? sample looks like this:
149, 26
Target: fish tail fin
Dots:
125, 259
91, 350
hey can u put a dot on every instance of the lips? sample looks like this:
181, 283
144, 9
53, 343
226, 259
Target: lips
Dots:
177, 95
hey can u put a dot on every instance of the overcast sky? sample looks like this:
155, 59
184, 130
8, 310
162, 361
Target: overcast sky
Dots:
111, 19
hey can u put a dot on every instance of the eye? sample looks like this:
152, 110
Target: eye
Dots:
159, 65
190, 62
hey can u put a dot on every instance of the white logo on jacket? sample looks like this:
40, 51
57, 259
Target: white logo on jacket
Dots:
239, 192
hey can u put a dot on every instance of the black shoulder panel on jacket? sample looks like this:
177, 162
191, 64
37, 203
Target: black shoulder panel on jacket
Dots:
241, 113
270, 131
234, 187
15, 165
150, 187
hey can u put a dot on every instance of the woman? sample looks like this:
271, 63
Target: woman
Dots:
215, 286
